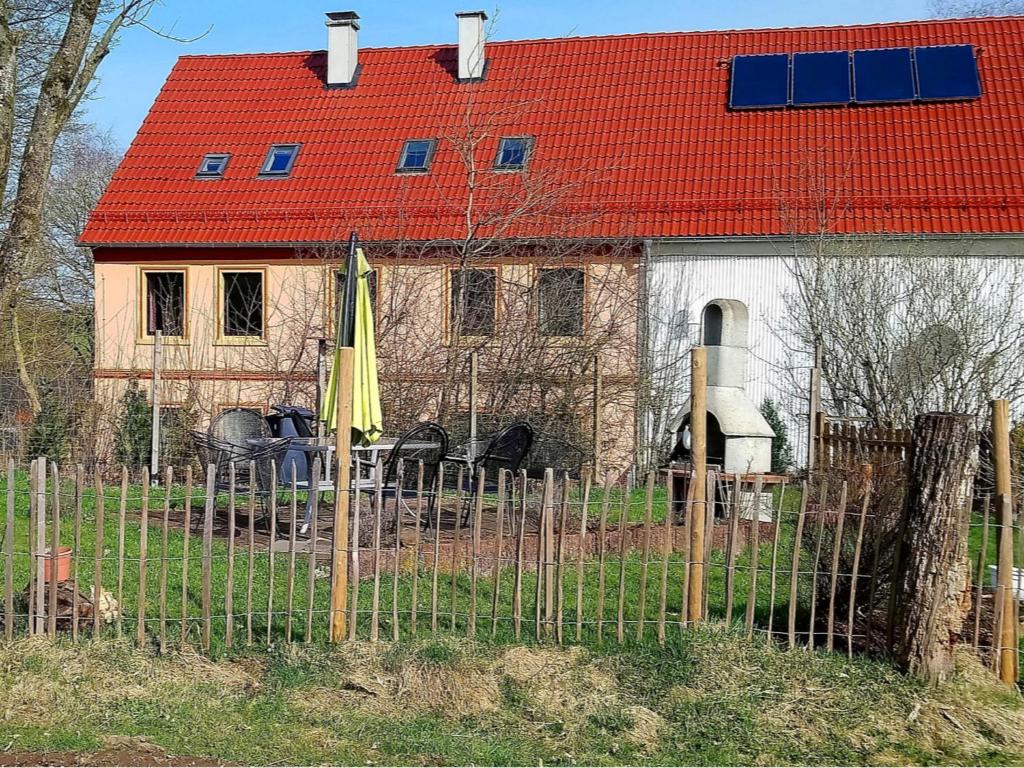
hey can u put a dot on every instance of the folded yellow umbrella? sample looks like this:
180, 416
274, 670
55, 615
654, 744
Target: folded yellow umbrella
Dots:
366, 415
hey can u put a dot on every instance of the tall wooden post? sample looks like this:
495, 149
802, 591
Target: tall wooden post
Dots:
814, 406
474, 391
1008, 627
154, 438
698, 479
596, 424
39, 565
342, 454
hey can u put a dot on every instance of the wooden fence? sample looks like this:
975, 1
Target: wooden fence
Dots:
507, 558
847, 445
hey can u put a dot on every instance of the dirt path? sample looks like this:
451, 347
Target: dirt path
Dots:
135, 756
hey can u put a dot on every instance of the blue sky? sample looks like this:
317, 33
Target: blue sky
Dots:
134, 72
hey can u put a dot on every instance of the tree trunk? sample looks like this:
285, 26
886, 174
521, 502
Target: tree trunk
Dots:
931, 594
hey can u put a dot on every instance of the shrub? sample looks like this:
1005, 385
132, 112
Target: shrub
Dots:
134, 427
782, 450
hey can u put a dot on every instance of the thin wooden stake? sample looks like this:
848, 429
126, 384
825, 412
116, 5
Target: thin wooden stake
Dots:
775, 560
51, 608
99, 538
121, 514
755, 554
210, 506
456, 540
794, 573
378, 503
688, 512
545, 510
252, 550
819, 536
354, 553
164, 556
582, 553
9, 556
79, 481
343, 493
563, 521
709, 525
140, 627
414, 597
398, 550
478, 511
33, 477
290, 574
186, 535
314, 485
499, 524
270, 552
620, 630
857, 547
517, 584
982, 560
645, 556
837, 546
731, 546
229, 581
438, 499
601, 548
666, 551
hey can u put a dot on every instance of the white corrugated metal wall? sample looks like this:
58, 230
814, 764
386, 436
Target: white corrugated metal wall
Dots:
681, 285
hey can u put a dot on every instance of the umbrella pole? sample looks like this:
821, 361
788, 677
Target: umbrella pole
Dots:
342, 452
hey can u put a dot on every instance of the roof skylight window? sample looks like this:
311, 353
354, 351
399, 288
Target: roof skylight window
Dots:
416, 156
279, 160
212, 166
513, 152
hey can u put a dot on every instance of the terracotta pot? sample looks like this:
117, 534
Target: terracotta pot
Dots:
63, 564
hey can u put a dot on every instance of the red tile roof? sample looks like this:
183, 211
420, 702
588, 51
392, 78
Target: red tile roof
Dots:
633, 138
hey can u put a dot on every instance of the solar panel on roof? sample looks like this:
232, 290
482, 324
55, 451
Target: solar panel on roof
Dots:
883, 74
947, 72
759, 81
821, 78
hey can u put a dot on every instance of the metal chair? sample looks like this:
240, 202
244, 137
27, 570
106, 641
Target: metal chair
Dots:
506, 450
426, 442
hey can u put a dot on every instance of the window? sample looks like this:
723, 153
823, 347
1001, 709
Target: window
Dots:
279, 160
165, 303
513, 152
473, 299
243, 303
416, 155
339, 291
560, 302
213, 166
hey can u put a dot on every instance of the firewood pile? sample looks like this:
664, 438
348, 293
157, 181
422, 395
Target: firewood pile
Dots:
66, 597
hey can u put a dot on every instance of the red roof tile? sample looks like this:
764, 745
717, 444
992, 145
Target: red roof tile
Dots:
633, 139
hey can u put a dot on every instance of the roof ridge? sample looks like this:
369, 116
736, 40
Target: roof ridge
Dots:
635, 35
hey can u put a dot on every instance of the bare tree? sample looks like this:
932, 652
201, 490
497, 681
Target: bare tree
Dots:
905, 330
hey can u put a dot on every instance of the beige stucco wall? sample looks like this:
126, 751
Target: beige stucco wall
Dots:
417, 357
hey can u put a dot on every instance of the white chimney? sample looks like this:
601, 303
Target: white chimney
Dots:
342, 48
471, 44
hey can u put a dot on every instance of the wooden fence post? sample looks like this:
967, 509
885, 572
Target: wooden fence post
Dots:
698, 478
342, 452
1008, 626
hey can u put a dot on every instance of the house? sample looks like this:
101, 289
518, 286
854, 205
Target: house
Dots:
565, 208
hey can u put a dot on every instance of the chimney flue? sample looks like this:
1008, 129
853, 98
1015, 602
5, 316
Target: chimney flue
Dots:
342, 48
471, 44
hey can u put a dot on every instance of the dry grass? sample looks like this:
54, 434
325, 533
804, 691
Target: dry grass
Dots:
711, 698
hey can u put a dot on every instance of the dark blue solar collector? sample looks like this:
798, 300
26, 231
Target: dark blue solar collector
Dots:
883, 75
821, 78
947, 72
759, 82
